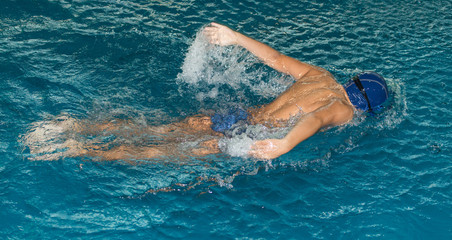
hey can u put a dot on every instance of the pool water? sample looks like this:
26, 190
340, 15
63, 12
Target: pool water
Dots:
387, 177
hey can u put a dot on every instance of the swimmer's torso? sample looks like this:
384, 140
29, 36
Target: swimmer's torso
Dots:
304, 96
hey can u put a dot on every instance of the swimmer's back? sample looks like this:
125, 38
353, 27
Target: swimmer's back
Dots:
306, 95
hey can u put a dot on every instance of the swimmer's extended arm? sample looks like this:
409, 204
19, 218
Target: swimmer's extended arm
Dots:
334, 114
222, 35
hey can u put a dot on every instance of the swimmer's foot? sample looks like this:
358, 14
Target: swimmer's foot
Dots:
45, 131
68, 123
70, 148
42, 131
48, 136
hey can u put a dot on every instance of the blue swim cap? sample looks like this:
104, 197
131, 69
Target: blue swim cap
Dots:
374, 87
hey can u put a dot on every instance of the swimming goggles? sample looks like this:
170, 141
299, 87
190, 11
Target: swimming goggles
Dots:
363, 92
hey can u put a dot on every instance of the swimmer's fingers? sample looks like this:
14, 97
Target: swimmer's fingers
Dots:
255, 153
216, 24
261, 149
268, 149
259, 145
212, 38
220, 35
215, 27
213, 35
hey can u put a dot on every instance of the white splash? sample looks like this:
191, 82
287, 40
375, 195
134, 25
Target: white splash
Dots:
237, 146
208, 67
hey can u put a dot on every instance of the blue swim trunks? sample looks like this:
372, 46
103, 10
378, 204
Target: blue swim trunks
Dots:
223, 122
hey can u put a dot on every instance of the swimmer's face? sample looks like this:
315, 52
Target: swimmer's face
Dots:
200, 122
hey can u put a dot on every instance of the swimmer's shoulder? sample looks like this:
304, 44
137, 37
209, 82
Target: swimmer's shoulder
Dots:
340, 112
317, 73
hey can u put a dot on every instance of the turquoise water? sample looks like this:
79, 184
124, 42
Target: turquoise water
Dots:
387, 178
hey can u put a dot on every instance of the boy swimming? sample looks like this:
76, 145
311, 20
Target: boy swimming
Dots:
323, 101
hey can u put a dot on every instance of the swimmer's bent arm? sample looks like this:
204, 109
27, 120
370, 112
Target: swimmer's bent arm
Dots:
334, 114
222, 35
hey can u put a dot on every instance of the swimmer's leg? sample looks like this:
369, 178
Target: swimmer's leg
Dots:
196, 123
125, 127
49, 130
154, 152
128, 152
90, 128
43, 147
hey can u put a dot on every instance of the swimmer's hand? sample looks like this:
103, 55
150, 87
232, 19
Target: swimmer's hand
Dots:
269, 148
220, 35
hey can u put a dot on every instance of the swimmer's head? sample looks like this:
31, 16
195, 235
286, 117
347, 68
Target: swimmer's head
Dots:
367, 91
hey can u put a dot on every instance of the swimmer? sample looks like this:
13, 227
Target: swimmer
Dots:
324, 102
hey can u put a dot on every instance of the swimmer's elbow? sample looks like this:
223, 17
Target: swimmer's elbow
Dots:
276, 61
